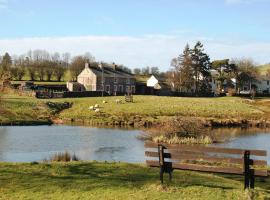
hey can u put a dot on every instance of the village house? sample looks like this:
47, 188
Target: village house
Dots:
158, 86
113, 80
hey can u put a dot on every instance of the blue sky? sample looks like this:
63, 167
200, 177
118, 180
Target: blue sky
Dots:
137, 33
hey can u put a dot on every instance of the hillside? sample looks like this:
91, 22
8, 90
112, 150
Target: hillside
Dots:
263, 68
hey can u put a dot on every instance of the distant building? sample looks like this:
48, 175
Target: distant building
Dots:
158, 86
113, 80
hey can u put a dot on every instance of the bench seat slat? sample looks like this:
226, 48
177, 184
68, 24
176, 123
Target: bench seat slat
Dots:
182, 147
183, 156
230, 170
205, 168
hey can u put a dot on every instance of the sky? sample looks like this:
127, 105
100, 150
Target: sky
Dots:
137, 33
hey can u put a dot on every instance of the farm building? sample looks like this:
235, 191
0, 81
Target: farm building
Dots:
113, 80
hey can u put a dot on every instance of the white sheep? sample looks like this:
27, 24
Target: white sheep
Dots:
96, 106
91, 108
118, 101
97, 110
104, 101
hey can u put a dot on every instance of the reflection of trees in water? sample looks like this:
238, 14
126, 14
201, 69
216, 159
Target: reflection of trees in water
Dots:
224, 134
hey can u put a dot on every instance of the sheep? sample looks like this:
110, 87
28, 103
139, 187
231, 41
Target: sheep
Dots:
91, 108
97, 110
96, 106
118, 101
104, 101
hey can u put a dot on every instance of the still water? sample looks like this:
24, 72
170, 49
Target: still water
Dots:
36, 143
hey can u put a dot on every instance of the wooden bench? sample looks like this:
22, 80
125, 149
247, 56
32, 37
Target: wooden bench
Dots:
206, 159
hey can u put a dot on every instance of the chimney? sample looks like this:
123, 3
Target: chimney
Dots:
87, 65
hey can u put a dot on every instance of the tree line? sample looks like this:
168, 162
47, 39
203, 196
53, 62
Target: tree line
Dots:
193, 70
40, 65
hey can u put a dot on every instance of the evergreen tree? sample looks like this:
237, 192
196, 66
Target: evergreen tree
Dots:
200, 65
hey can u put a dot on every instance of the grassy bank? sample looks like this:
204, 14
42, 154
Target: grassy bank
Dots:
91, 180
23, 110
145, 109
155, 108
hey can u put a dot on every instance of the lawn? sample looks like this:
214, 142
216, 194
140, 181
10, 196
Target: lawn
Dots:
93, 180
155, 106
41, 82
18, 109
151, 108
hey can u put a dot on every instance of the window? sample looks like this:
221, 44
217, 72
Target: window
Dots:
120, 88
107, 88
115, 80
115, 88
268, 82
128, 81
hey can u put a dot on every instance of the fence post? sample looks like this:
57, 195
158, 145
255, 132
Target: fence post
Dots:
161, 161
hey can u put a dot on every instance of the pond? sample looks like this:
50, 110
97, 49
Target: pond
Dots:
36, 143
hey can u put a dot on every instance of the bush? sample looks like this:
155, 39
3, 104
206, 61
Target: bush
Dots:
180, 130
63, 157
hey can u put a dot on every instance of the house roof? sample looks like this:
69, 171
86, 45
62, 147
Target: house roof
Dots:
110, 72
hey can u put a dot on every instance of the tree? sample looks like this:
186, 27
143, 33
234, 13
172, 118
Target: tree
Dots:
31, 71
18, 70
146, 71
246, 73
6, 61
49, 69
59, 71
5, 75
200, 65
182, 74
77, 66
41, 69
155, 70
137, 71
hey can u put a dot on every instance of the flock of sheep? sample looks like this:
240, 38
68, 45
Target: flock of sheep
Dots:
96, 107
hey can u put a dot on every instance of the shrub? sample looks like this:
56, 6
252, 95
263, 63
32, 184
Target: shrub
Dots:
63, 157
180, 130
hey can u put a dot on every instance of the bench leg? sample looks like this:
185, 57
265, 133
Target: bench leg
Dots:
251, 179
161, 175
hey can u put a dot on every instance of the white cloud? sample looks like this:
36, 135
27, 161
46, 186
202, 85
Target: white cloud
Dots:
150, 50
3, 3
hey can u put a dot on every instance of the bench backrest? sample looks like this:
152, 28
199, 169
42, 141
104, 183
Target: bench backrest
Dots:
205, 158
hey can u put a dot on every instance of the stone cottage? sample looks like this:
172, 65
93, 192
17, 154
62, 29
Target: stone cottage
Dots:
113, 80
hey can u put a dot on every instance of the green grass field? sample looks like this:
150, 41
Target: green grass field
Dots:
155, 106
41, 82
93, 180
23, 108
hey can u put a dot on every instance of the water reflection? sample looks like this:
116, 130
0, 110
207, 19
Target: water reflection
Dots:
244, 139
24, 144
35, 143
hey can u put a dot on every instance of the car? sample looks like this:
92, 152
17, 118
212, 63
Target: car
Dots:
245, 92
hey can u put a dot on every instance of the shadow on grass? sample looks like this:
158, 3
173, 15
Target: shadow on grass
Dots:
95, 175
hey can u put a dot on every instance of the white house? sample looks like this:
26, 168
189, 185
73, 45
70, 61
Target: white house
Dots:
263, 84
